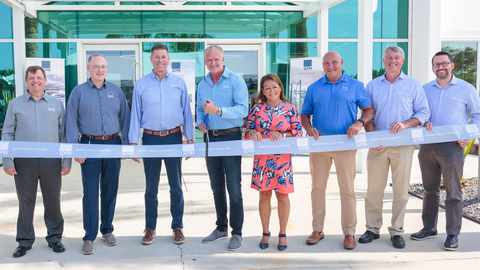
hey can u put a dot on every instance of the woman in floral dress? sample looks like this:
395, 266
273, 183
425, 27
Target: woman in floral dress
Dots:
272, 117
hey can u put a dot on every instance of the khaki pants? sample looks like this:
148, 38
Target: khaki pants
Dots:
320, 164
399, 158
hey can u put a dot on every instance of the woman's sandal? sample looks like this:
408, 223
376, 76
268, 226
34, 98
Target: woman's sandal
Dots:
280, 247
264, 245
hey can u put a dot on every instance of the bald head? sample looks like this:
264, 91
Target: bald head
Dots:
332, 66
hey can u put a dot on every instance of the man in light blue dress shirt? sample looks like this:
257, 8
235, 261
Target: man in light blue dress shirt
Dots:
399, 102
452, 101
160, 106
223, 95
97, 111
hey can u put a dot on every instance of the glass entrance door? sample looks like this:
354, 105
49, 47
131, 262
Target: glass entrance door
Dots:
123, 65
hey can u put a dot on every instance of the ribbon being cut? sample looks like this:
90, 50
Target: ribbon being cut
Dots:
246, 147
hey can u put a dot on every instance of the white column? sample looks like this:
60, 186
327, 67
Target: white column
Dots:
426, 37
365, 56
322, 32
18, 20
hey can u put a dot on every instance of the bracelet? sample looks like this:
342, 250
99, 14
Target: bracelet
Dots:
250, 133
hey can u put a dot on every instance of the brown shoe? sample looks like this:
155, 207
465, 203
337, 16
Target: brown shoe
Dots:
315, 237
178, 237
148, 237
349, 242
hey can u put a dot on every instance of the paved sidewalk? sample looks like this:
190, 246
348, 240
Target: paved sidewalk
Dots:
199, 221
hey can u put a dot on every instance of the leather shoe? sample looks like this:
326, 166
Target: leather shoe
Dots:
57, 247
368, 237
397, 241
424, 234
451, 243
349, 242
21, 251
315, 237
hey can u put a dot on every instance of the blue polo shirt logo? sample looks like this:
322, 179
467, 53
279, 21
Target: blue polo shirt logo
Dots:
307, 64
344, 88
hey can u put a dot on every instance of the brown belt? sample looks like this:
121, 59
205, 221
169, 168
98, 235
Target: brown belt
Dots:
103, 138
162, 133
223, 131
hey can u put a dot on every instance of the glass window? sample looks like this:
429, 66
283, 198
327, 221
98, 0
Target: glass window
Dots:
205, 3
67, 51
343, 20
290, 25
390, 20
172, 24
7, 79
348, 52
140, 3
279, 55
5, 21
100, 24
247, 24
88, 3
52, 25
464, 56
178, 51
263, 3
378, 68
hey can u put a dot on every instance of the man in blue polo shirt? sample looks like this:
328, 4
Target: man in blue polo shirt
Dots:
451, 101
332, 102
223, 95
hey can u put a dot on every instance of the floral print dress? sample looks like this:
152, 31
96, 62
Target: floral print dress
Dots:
273, 172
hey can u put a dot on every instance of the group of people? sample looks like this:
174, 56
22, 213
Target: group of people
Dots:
97, 113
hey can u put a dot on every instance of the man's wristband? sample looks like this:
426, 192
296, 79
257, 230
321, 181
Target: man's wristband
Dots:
362, 121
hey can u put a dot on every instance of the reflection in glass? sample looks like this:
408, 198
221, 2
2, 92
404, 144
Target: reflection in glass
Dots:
290, 24
279, 55
464, 55
246, 24
378, 68
67, 51
5, 21
99, 24
348, 52
52, 25
390, 20
7, 79
173, 24
343, 20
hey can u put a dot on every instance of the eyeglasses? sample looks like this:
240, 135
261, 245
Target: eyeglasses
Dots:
443, 64
99, 67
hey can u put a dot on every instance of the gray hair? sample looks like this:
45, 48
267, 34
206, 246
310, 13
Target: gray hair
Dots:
95, 55
394, 48
214, 47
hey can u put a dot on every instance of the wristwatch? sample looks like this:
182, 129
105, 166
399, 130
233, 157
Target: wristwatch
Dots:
219, 112
362, 121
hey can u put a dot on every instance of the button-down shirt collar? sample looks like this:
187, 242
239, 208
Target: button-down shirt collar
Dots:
342, 78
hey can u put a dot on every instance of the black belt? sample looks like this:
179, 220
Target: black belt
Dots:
223, 131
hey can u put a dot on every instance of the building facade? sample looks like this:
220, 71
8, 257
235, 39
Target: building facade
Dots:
259, 37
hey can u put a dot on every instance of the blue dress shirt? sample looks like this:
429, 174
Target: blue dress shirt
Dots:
334, 106
398, 101
230, 94
97, 112
453, 104
160, 105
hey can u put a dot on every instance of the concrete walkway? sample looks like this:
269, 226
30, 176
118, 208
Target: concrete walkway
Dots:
199, 221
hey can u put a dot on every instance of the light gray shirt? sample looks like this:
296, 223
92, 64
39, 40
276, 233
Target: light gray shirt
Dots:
34, 121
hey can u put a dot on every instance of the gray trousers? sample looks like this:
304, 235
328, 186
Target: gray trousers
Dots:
29, 172
435, 160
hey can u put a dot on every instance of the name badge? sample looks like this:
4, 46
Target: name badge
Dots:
51, 107
110, 94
